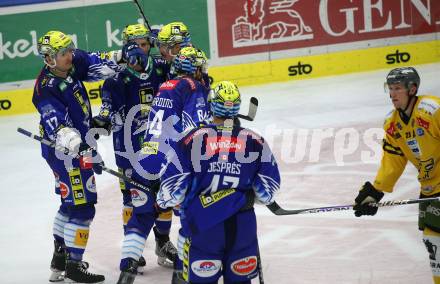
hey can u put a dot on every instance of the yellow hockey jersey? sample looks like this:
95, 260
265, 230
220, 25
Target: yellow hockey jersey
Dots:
417, 142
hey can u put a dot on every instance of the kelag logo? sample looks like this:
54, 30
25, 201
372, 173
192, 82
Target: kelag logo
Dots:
398, 57
300, 69
5, 104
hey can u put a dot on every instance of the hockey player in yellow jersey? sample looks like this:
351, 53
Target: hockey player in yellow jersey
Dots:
412, 133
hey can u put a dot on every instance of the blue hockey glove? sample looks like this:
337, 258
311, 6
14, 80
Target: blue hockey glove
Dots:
134, 55
367, 194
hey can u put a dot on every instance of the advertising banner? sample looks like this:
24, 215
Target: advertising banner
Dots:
93, 27
259, 26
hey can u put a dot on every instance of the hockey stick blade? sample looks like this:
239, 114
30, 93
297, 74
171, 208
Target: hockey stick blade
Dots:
78, 155
253, 106
277, 210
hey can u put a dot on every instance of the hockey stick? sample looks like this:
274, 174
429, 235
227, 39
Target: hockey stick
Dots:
141, 11
253, 106
277, 210
80, 154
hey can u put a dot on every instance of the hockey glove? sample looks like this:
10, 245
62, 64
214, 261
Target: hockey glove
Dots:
367, 194
134, 55
68, 138
101, 123
90, 159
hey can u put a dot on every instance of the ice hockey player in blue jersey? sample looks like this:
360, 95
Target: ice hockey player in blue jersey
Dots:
180, 105
223, 168
171, 39
126, 101
61, 99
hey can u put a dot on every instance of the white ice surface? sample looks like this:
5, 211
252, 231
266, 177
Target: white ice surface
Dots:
316, 248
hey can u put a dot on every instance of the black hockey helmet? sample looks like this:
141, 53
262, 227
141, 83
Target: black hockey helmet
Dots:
406, 75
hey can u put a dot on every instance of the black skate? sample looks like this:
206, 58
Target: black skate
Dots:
58, 263
177, 278
76, 272
165, 250
128, 275
141, 265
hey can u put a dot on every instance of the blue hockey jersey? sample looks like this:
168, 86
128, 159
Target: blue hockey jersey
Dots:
220, 167
64, 101
180, 105
126, 101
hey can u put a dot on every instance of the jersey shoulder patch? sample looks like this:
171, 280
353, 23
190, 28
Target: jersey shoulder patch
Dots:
428, 105
44, 83
389, 117
190, 82
247, 132
195, 133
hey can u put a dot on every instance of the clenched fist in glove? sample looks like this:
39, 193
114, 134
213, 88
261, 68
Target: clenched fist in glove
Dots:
367, 194
68, 138
134, 55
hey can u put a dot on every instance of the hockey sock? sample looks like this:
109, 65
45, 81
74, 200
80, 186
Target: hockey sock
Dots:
127, 212
132, 247
76, 230
163, 222
75, 238
58, 226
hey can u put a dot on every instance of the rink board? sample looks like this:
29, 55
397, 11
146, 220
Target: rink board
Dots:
18, 101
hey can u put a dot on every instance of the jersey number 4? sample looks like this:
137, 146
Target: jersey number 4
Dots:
155, 127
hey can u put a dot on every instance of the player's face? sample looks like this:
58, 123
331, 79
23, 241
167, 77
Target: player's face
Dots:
169, 52
64, 60
399, 95
144, 44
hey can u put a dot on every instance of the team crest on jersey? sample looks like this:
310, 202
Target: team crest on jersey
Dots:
423, 123
420, 132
